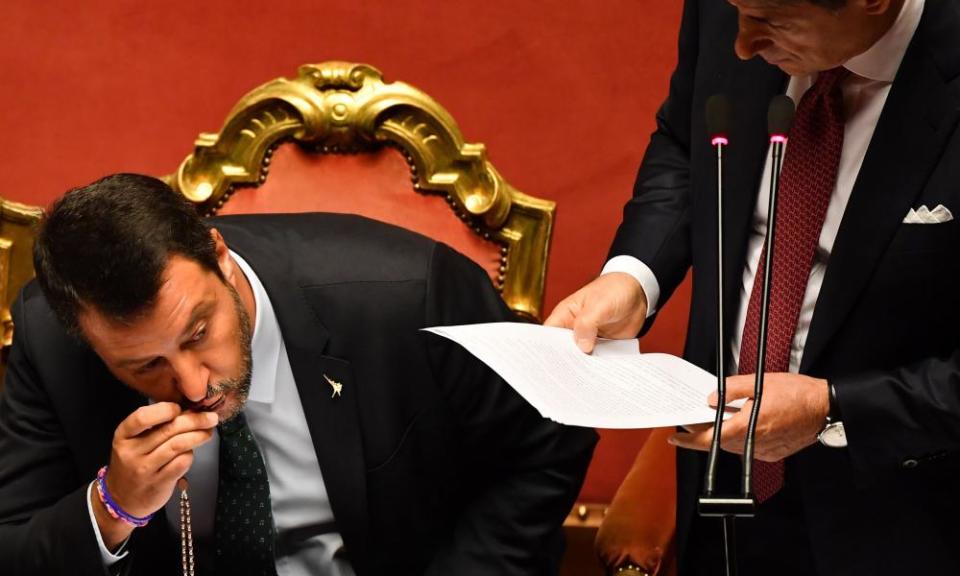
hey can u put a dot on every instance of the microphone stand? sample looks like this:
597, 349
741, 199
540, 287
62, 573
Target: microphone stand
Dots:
729, 508
777, 142
779, 119
709, 503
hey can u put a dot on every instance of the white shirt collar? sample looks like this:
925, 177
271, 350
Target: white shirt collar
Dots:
882, 60
265, 346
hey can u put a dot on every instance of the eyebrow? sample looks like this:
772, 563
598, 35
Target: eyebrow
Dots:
199, 311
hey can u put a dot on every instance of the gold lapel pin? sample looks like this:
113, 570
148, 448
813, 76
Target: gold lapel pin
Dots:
337, 387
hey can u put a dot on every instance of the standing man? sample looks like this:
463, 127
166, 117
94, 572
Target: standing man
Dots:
276, 362
866, 286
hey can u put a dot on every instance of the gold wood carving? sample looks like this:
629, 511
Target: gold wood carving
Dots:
17, 223
344, 107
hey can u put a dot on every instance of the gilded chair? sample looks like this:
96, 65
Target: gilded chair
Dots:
337, 138
17, 222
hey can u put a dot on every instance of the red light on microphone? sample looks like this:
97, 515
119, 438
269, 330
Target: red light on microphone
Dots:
719, 141
778, 139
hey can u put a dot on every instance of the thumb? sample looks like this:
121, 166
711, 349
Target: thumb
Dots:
737, 387
585, 333
594, 312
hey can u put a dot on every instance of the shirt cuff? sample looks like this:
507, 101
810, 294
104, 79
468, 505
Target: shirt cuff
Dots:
641, 273
108, 557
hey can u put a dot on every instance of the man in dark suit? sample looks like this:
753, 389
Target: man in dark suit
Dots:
869, 347
345, 440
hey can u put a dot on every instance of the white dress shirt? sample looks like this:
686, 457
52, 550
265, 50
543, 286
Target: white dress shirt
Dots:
275, 415
864, 94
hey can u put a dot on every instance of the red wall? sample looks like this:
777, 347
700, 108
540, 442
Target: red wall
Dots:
562, 93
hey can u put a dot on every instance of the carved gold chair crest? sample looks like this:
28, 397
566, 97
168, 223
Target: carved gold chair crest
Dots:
347, 110
17, 228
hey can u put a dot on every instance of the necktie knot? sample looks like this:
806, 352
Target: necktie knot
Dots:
829, 81
233, 426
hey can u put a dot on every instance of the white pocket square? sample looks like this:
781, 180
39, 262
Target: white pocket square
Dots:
924, 215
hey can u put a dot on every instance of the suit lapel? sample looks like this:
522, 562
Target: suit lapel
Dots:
917, 119
333, 418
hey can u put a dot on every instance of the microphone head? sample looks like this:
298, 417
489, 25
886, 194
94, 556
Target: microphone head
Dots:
780, 116
718, 114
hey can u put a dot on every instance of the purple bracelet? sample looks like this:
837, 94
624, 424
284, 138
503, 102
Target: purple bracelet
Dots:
111, 505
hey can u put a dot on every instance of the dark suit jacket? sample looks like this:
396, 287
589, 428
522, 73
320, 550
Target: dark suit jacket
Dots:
432, 463
886, 327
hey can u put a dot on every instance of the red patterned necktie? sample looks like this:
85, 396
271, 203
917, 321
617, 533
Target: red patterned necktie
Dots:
807, 180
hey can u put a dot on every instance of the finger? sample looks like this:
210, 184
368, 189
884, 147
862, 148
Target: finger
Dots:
146, 417
729, 397
734, 431
174, 447
741, 386
693, 440
594, 313
564, 313
185, 422
585, 334
176, 468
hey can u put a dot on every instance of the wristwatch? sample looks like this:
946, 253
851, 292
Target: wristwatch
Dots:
833, 434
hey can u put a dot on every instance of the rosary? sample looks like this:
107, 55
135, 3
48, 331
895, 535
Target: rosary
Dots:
186, 529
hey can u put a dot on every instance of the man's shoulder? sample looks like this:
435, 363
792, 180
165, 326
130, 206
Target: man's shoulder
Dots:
38, 328
326, 248
938, 30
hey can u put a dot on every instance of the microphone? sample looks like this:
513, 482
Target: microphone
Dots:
718, 116
779, 119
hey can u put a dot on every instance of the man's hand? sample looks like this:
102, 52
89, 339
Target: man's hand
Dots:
792, 412
152, 449
612, 306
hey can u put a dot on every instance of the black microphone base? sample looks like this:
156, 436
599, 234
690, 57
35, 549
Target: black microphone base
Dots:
731, 507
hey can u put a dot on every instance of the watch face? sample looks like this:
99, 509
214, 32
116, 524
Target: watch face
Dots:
833, 435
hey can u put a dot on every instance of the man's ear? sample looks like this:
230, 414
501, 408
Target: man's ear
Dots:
875, 7
227, 265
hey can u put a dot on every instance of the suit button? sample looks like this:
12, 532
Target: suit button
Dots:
909, 463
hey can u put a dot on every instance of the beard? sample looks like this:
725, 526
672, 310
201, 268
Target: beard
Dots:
235, 391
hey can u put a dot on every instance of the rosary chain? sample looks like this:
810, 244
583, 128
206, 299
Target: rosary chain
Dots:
186, 531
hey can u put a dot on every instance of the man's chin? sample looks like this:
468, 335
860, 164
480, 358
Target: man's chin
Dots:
229, 408
787, 65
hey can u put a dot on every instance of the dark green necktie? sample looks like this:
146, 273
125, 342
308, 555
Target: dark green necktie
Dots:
245, 534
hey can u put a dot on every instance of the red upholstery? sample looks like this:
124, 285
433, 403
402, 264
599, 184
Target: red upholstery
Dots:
640, 523
376, 185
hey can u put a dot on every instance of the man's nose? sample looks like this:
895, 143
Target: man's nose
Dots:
751, 39
191, 376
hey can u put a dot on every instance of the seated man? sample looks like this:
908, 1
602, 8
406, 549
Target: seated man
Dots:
276, 362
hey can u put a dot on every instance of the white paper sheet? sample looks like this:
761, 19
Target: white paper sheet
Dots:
615, 387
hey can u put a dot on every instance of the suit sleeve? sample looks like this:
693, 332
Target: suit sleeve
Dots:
901, 417
44, 524
528, 470
656, 221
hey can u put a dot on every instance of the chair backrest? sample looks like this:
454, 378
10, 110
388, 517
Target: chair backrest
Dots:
17, 223
338, 138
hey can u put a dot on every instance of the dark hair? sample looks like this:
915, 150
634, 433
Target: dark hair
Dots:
106, 246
